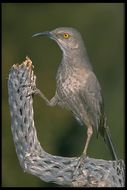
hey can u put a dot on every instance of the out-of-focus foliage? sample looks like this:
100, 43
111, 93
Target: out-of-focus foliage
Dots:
101, 25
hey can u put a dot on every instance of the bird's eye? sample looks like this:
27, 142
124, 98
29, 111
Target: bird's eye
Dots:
66, 35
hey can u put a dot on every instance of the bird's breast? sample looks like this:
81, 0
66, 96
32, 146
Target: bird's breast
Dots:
71, 82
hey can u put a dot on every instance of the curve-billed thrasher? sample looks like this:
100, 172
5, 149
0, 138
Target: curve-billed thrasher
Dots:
77, 86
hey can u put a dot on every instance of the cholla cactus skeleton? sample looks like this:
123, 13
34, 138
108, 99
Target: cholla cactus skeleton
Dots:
32, 157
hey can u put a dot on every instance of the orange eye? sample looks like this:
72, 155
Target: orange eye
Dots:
66, 35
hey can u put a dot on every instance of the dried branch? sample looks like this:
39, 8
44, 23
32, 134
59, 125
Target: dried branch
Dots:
32, 157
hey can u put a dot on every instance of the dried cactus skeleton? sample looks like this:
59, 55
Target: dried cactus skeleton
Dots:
32, 157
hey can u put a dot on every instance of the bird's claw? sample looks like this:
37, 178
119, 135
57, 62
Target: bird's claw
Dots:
79, 164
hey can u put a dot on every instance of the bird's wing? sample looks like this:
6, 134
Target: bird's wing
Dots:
93, 103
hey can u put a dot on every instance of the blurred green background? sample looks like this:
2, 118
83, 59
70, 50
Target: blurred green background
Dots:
102, 28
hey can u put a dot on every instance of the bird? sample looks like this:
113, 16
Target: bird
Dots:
77, 87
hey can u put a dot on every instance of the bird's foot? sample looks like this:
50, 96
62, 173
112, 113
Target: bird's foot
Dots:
34, 91
79, 164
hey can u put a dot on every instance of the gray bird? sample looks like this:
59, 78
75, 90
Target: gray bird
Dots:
77, 87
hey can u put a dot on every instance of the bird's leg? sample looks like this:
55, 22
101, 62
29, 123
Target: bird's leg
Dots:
83, 156
51, 102
89, 135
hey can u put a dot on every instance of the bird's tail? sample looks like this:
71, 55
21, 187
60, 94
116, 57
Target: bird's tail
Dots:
104, 131
108, 140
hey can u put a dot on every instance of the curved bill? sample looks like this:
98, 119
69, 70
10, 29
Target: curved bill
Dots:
42, 34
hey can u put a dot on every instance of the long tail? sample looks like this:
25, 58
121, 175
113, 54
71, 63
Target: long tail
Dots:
108, 139
104, 131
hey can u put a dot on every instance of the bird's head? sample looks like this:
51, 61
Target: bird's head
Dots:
66, 37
